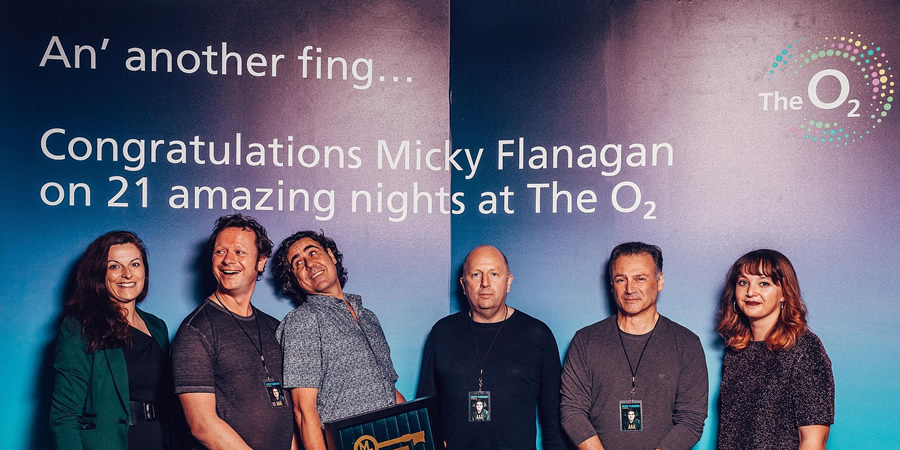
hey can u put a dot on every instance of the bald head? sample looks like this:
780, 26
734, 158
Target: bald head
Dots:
486, 281
482, 250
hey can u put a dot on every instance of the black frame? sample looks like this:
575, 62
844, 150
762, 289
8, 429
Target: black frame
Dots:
333, 430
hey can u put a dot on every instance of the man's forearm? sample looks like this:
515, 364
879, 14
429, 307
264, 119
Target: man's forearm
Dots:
591, 443
217, 435
310, 430
213, 432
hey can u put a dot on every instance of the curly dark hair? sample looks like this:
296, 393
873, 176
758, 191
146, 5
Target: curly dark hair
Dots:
281, 267
263, 243
103, 323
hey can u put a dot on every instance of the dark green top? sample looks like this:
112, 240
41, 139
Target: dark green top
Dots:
89, 408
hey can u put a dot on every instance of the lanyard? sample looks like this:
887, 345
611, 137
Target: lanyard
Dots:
477, 351
258, 349
634, 369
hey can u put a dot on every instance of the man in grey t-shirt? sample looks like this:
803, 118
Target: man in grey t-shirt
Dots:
337, 362
635, 363
225, 358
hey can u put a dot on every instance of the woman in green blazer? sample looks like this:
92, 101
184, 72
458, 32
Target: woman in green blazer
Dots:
113, 380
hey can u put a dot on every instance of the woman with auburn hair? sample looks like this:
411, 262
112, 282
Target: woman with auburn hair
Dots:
113, 380
777, 386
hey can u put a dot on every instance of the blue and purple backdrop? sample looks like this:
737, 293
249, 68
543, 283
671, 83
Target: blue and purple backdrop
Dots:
411, 132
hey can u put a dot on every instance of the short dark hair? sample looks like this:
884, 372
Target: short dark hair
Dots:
636, 248
281, 267
263, 243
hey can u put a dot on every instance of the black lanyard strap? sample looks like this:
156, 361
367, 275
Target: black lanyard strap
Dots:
259, 349
634, 369
477, 351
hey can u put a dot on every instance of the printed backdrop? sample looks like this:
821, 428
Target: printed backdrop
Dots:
411, 132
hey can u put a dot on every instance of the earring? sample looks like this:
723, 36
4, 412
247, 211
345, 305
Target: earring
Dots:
782, 305
736, 308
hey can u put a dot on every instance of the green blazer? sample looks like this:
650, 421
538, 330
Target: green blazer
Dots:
89, 408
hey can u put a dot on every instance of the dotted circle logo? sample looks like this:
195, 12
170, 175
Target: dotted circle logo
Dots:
840, 87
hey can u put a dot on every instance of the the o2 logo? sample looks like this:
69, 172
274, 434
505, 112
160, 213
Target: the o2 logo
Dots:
836, 90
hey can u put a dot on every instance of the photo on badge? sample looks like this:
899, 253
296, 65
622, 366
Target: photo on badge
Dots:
276, 394
480, 406
630, 412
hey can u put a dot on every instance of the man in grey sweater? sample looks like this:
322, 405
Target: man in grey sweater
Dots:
635, 360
